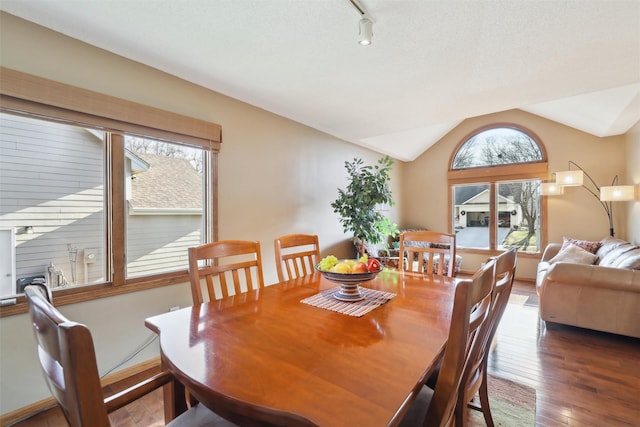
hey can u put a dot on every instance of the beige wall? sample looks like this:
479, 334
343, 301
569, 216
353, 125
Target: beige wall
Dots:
577, 214
276, 177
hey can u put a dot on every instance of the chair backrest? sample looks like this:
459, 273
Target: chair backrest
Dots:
471, 307
296, 255
505, 268
68, 361
228, 262
428, 252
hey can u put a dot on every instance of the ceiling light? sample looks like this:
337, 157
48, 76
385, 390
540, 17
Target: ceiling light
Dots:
366, 31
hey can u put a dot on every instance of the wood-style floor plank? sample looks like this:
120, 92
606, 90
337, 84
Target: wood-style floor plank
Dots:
582, 378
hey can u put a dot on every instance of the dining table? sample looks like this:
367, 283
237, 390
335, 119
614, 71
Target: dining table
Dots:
278, 355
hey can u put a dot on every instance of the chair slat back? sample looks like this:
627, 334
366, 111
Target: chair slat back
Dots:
471, 307
426, 252
475, 372
68, 361
235, 264
296, 255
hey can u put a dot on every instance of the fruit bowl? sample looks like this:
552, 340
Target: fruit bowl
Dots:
349, 289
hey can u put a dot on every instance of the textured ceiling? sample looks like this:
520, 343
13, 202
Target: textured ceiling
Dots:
431, 64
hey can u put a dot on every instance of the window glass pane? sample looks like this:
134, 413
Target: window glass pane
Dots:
497, 146
519, 214
52, 199
471, 215
164, 193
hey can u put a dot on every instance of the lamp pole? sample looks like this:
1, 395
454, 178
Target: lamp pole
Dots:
606, 205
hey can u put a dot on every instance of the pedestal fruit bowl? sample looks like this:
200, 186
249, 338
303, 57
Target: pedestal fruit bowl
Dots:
349, 281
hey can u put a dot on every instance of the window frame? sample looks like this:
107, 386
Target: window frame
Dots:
32, 96
492, 175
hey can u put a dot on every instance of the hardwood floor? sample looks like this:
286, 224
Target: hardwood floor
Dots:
581, 377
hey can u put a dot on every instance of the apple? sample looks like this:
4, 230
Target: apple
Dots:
359, 267
373, 264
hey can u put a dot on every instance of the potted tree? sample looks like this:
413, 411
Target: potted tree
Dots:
358, 204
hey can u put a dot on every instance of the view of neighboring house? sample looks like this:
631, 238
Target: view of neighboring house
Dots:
164, 215
54, 228
474, 212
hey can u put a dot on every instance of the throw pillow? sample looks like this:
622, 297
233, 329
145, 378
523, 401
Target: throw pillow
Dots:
584, 244
608, 244
630, 259
613, 258
576, 254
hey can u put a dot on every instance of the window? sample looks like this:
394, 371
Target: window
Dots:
494, 179
164, 195
98, 191
52, 196
53, 200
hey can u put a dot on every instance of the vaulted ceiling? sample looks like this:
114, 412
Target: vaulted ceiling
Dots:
431, 65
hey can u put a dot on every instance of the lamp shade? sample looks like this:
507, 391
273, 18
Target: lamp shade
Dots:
569, 178
551, 189
617, 193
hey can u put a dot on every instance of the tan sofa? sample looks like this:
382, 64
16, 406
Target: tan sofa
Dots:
603, 296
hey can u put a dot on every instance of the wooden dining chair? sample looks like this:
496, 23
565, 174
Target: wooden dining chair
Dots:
471, 307
474, 379
68, 361
237, 263
428, 252
296, 255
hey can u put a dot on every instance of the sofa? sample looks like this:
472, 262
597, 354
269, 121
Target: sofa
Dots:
594, 285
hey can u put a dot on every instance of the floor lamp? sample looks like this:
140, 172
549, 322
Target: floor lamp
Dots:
605, 195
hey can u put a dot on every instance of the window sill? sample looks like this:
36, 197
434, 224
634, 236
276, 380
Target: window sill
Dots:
92, 292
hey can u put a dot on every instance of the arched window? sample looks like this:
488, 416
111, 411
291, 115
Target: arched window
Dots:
494, 180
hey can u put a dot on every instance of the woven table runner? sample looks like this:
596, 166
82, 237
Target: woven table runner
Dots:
372, 299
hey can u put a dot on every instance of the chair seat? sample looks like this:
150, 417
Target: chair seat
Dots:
200, 416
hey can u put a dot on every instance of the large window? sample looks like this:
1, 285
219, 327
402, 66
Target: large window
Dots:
54, 204
98, 195
494, 179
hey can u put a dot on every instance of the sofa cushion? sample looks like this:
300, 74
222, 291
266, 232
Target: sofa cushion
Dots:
612, 258
629, 259
608, 244
574, 253
587, 245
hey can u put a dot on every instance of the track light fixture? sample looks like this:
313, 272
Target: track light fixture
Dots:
366, 31
365, 25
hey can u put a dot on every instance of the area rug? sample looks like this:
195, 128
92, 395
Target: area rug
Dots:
518, 299
512, 404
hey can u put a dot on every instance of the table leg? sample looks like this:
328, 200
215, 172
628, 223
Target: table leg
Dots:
174, 398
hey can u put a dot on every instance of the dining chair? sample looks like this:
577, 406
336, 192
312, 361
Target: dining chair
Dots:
471, 307
474, 378
237, 263
296, 255
428, 252
68, 361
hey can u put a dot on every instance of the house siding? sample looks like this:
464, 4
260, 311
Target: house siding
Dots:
51, 179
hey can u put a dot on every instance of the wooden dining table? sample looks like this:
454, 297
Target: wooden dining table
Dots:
266, 357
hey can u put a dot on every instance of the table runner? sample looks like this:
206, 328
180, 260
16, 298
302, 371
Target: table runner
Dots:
372, 299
